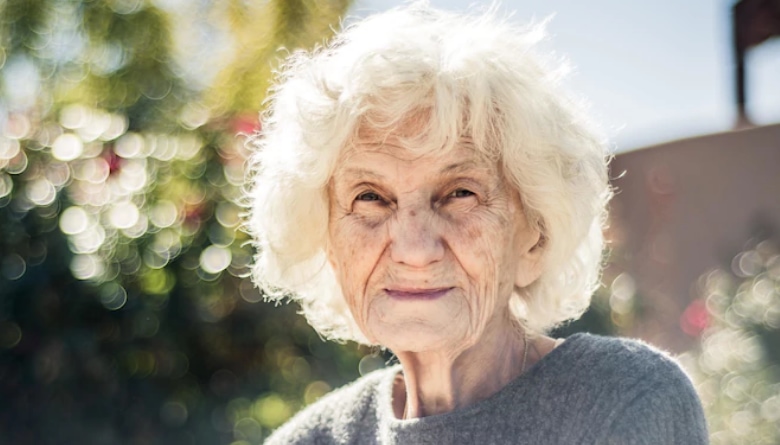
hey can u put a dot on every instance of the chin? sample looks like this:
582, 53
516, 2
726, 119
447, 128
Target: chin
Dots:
418, 325
418, 335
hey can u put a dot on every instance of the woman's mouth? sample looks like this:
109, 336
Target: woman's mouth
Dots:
417, 294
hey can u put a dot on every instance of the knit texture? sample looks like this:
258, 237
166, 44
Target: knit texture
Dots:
588, 390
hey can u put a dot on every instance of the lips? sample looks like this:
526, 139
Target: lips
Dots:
417, 294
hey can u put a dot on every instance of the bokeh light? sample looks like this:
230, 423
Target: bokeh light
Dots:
9, 148
40, 192
87, 266
735, 369
13, 267
215, 259
6, 185
163, 213
67, 147
123, 215
113, 296
74, 220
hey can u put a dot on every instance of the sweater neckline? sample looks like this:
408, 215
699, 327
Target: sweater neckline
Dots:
386, 415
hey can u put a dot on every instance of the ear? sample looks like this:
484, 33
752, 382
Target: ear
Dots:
529, 266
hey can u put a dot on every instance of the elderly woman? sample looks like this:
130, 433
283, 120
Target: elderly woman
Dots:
421, 185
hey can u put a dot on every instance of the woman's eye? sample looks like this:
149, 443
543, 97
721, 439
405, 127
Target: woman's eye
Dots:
461, 193
368, 196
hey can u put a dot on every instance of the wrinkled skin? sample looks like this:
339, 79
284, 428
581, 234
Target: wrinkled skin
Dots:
427, 249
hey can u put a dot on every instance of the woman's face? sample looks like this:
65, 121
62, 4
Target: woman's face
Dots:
427, 248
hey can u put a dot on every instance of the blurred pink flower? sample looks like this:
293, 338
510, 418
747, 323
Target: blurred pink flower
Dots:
695, 318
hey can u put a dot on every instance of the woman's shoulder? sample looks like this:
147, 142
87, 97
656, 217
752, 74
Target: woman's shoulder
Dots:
633, 391
336, 415
621, 357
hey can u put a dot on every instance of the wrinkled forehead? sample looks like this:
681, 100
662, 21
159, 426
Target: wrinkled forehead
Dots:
415, 135
461, 151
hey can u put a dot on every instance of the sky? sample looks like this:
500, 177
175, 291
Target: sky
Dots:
653, 71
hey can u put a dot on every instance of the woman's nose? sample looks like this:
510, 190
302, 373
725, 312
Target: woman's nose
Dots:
414, 238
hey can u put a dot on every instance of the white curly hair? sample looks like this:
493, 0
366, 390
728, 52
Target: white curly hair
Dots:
472, 75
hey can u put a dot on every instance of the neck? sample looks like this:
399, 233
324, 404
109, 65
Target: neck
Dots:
436, 382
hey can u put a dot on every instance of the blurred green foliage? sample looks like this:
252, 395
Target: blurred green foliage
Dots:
125, 314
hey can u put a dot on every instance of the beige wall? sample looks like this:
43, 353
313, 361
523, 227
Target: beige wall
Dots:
685, 207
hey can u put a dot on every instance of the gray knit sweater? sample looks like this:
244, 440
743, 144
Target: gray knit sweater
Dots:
589, 390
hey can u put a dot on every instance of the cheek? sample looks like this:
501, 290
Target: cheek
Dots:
482, 246
482, 238
354, 252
